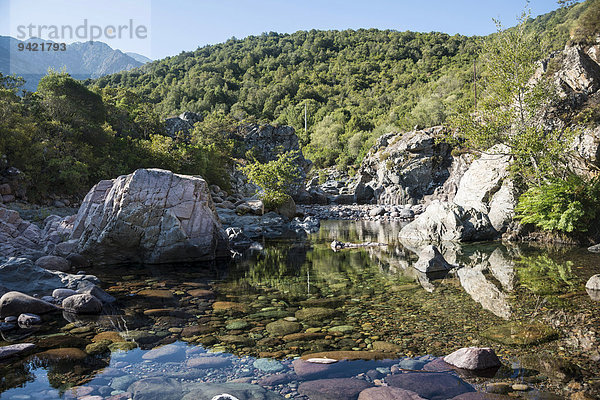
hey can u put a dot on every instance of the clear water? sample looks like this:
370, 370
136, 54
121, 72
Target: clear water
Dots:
529, 304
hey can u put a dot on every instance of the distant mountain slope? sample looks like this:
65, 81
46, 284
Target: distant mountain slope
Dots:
139, 57
81, 60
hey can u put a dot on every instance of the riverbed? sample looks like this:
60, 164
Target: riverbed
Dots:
201, 330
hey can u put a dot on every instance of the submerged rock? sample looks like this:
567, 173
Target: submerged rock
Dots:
520, 334
241, 391
333, 389
150, 216
283, 327
388, 393
473, 358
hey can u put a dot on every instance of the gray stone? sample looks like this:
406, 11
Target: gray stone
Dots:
15, 349
26, 320
579, 72
20, 274
430, 385
377, 211
483, 179
473, 358
405, 167
595, 248
388, 393
592, 286
431, 260
333, 389
16, 303
449, 222
208, 362
61, 294
98, 293
82, 304
170, 352
53, 263
150, 216
156, 388
268, 365
122, 382
241, 391
18, 237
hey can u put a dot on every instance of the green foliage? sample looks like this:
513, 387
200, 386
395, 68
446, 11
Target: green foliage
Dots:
587, 27
276, 178
511, 108
66, 137
562, 205
353, 83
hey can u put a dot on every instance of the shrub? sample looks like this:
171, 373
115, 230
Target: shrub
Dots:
561, 205
277, 178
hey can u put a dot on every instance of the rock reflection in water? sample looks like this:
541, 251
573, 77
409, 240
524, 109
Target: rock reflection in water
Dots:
296, 297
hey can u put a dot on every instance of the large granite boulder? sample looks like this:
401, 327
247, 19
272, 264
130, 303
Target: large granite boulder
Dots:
404, 168
150, 216
449, 222
483, 179
20, 274
482, 208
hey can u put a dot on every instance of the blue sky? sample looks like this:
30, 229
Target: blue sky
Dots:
180, 25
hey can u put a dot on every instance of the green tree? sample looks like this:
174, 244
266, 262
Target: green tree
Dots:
512, 109
277, 178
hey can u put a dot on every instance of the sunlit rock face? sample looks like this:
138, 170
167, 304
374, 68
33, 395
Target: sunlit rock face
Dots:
150, 216
404, 168
482, 208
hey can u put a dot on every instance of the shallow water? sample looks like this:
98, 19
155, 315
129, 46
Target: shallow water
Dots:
529, 304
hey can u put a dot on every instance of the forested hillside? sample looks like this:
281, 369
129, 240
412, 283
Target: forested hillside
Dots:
355, 85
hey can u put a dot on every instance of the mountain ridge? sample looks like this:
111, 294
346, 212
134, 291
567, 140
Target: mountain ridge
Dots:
82, 60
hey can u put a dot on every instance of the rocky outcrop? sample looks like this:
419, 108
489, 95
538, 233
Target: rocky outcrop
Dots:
265, 143
482, 208
181, 124
579, 72
150, 216
404, 168
449, 222
18, 237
